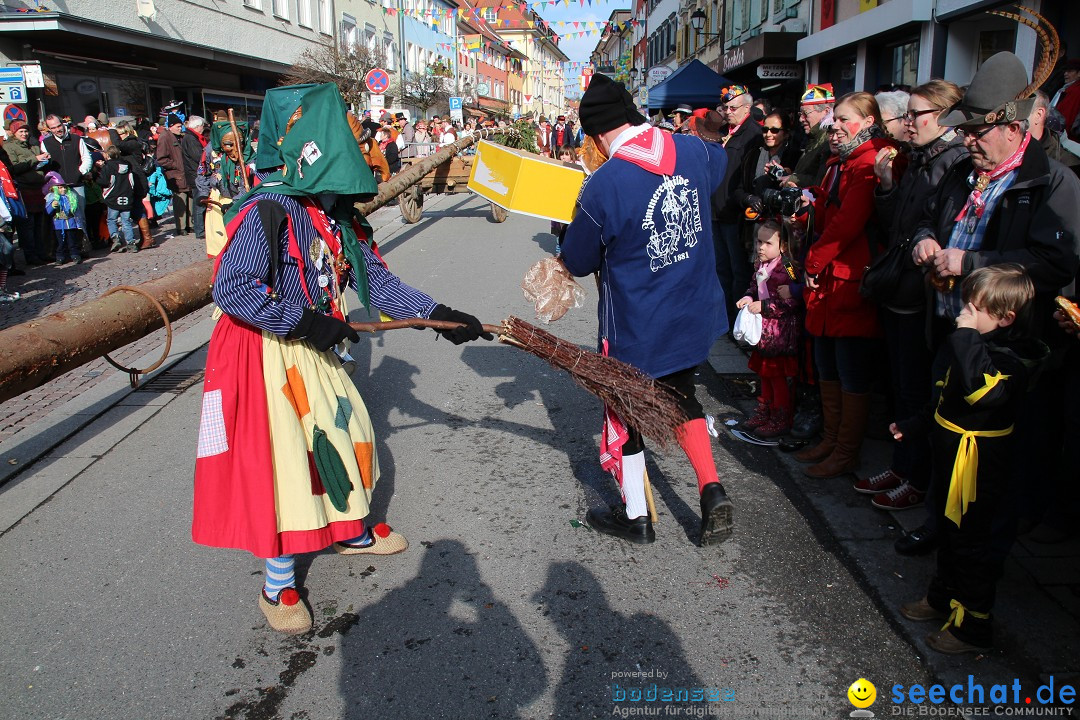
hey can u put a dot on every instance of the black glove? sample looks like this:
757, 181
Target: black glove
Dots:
753, 202
322, 331
470, 330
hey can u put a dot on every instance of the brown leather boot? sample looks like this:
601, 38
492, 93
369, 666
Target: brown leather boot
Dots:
855, 407
830, 412
147, 238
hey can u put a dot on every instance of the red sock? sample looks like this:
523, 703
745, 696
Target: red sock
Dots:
695, 442
781, 393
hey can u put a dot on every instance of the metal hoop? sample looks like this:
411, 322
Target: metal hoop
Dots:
133, 373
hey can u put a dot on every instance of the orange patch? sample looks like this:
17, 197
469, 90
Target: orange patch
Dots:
363, 452
294, 390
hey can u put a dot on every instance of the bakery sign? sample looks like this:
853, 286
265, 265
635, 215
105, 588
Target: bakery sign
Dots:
779, 71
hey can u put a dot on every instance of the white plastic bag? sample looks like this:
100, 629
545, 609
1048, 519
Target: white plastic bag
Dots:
551, 289
747, 327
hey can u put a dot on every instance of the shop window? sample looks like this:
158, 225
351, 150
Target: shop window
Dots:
995, 41
840, 69
123, 97
902, 64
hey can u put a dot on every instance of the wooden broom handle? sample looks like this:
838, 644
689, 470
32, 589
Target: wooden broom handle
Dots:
374, 327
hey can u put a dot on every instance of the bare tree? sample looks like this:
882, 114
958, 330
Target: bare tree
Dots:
425, 90
346, 67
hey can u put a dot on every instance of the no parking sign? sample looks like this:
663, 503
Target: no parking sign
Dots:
13, 113
377, 80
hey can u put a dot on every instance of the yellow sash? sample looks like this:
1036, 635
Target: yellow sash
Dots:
966, 467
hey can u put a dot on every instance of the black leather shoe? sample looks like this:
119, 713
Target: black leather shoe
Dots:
715, 515
614, 522
919, 541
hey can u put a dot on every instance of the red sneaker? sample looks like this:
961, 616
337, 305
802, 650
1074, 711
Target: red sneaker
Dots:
904, 497
879, 483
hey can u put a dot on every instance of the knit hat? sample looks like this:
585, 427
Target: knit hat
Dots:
992, 98
173, 119
607, 105
1072, 64
733, 91
818, 95
15, 126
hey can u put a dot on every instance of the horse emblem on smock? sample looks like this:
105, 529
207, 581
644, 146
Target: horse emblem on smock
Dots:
673, 219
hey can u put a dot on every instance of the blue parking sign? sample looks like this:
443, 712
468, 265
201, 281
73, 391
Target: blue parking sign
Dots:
455, 103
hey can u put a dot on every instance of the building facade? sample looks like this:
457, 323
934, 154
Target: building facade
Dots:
866, 45
105, 58
543, 90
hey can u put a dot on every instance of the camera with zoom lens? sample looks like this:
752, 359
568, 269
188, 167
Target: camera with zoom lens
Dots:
785, 201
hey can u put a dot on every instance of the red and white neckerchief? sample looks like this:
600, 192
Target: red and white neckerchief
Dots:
733, 130
983, 180
650, 148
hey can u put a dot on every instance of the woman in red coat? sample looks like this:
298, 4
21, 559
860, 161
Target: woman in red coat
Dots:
841, 320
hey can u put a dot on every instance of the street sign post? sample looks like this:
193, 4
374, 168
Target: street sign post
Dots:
12, 87
377, 80
32, 76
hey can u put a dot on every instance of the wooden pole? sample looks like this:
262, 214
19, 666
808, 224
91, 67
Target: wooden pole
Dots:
239, 150
39, 350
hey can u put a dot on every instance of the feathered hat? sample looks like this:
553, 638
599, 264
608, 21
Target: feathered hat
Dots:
1000, 92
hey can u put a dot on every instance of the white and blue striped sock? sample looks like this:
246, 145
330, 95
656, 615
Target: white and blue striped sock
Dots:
362, 540
280, 574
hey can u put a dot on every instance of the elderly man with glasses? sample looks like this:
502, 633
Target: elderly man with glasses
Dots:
743, 136
815, 115
1007, 203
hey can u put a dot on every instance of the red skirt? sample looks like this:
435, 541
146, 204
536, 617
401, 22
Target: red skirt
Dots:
240, 502
777, 366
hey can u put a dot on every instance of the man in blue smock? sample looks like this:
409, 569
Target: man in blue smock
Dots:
644, 224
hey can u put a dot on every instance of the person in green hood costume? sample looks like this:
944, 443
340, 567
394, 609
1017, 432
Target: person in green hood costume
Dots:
225, 161
286, 460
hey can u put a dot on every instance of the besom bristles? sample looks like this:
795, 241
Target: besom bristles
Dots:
640, 401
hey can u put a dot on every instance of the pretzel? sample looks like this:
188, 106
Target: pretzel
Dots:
1069, 309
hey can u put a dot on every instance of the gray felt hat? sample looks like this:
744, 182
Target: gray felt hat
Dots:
991, 99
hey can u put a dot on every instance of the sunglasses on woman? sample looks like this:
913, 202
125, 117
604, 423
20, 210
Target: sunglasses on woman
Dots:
772, 130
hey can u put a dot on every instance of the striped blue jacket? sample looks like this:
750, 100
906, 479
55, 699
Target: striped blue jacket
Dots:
240, 287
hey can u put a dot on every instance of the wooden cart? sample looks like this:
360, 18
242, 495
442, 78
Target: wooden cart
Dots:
449, 178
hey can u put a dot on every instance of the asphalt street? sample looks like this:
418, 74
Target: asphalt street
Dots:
503, 606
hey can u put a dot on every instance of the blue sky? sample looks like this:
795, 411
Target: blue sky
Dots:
578, 48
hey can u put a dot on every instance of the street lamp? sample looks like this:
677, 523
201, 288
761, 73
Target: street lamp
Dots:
697, 22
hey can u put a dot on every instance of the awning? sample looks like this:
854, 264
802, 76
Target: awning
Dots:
693, 84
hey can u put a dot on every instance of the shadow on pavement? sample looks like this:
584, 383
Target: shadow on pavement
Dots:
611, 656
440, 645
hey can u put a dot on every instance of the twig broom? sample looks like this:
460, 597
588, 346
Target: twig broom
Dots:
643, 403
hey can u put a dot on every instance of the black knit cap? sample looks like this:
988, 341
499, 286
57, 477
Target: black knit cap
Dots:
173, 119
607, 105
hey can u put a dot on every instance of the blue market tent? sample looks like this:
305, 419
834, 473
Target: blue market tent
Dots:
694, 84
